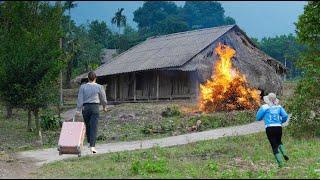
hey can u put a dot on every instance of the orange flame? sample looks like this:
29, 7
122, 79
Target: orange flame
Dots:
228, 88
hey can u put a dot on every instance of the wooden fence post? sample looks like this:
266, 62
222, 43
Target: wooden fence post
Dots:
134, 87
115, 88
158, 86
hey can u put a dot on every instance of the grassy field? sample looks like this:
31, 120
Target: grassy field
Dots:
124, 122
15, 137
247, 156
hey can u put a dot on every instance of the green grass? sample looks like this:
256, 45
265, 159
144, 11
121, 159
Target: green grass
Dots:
247, 156
15, 137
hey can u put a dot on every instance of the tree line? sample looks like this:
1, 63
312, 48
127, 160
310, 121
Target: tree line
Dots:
284, 48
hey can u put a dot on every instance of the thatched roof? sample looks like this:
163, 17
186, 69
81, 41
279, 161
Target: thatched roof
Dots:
163, 52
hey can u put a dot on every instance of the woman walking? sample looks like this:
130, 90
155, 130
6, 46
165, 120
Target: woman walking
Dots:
274, 116
90, 96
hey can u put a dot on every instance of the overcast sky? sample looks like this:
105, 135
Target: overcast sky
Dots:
257, 18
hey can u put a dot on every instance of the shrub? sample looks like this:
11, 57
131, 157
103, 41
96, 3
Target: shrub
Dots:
147, 129
171, 112
50, 122
222, 119
213, 166
305, 119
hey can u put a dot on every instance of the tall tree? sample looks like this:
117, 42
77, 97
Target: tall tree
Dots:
171, 24
88, 56
99, 32
129, 38
119, 19
70, 47
306, 102
204, 14
151, 14
163, 17
69, 5
30, 56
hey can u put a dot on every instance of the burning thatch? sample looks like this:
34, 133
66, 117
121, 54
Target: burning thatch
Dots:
228, 88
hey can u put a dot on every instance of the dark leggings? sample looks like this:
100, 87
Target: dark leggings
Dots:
274, 136
91, 115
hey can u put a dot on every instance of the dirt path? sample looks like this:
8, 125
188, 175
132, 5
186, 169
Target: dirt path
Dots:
13, 168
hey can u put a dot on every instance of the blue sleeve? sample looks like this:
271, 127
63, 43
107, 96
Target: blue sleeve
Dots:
260, 114
283, 114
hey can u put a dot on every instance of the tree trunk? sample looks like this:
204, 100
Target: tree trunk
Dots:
38, 128
9, 111
68, 75
69, 67
29, 128
59, 110
61, 93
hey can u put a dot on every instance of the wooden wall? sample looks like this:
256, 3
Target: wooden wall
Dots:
150, 85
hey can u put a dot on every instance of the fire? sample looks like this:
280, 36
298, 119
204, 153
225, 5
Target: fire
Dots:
228, 88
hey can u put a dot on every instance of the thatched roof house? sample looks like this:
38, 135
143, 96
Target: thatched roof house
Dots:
172, 66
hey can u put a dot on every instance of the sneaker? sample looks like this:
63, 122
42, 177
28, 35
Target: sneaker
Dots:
93, 150
286, 158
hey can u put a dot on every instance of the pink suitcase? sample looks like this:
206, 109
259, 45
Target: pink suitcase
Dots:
71, 138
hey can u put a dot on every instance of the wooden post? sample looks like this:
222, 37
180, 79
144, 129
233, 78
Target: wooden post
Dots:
171, 92
115, 88
197, 89
134, 87
119, 88
157, 86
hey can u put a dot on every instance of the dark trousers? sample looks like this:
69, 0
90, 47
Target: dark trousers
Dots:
274, 135
91, 115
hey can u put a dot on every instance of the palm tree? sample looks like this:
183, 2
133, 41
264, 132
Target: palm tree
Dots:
69, 5
119, 19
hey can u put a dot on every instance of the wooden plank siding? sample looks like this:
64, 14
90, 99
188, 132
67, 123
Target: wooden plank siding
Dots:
143, 85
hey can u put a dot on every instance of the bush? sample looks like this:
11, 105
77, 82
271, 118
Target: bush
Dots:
147, 129
161, 128
171, 112
222, 119
305, 119
49, 121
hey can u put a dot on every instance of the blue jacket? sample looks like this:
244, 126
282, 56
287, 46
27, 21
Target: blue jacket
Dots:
272, 115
